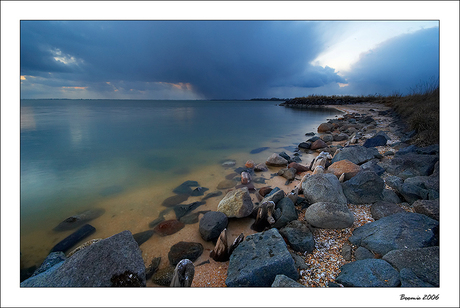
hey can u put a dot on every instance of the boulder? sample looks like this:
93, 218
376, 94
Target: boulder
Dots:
327, 138
74, 238
318, 144
276, 160
344, 166
362, 253
389, 195
164, 276
260, 168
184, 250
298, 167
142, 237
282, 281
365, 187
96, 265
368, 273
410, 280
298, 236
305, 145
183, 209
258, 259
410, 165
340, 137
382, 209
378, 140
212, 224
325, 127
429, 208
275, 195
225, 184
356, 154
372, 165
425, 182
323, 188
237, 203
398, 231
169, 227
79, 220
394, 182
329, 215
423, 262
412, 193
288, 212
51, 260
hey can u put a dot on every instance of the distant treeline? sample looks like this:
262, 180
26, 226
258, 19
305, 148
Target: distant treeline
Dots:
319, 100
269, 99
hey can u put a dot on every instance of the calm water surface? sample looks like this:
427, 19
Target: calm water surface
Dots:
83, 154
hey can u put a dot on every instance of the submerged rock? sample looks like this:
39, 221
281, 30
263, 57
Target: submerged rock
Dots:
74, 238
258, 150
169, 227
79, 220
142, 237
175, 200
184, 250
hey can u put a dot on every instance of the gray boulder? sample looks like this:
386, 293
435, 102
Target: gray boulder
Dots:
51, 260
410, 165
378, 140
282, 281
298, 236
368, 273
275, 195
323, 188
276, 160
382, 209
329, 215
372, 165
412, 193
236, 203
429, 208
95, 265
258, 259
365, 187
362, 253
356, 154
212, 224
410, 280
288, 212
398, 231
423, 262
389, 195
394, 182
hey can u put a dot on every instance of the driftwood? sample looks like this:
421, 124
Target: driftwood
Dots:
221, 251
183, 274
264, 218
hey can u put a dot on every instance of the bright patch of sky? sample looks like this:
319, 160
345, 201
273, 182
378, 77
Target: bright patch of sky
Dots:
348, 39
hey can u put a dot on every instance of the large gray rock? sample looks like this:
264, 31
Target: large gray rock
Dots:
356, 154
365, 187
394, 182
410, 165
95, 265
412, 193
275, 195
299, 236
423, 262
429, 208
212, 224
362, 253
51, 260
410, 280
276, 160
329, 215
237, 203
258, 259
389, 195
398, 231
323, 188
382, 209
282, 281
368, 273
288, 213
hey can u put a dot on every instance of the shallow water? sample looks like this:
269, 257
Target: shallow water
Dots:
127, 156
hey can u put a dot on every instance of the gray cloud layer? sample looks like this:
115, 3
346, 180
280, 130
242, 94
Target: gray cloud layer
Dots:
217, 59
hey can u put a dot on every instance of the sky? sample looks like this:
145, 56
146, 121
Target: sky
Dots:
220, 59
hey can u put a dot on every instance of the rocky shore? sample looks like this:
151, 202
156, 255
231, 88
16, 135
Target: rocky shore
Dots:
364, 212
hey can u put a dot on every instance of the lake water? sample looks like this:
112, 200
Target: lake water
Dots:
126, 156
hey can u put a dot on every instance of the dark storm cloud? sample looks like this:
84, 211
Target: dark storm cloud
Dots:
400, 64
219, 59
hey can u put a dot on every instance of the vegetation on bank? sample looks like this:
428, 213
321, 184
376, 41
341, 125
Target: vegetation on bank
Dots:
419, 110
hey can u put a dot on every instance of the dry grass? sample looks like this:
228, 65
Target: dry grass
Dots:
421, 112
